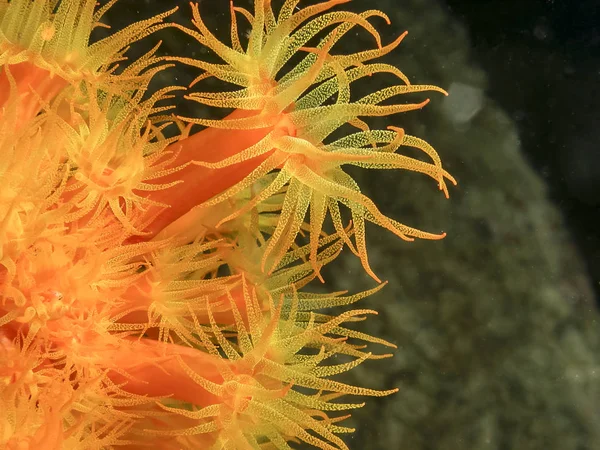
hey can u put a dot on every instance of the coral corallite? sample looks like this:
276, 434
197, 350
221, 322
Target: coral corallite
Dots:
153, 279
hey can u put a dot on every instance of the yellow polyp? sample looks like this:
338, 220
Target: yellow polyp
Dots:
310, 171
178, 284
117, 152
260, 395
55, 36
155, 285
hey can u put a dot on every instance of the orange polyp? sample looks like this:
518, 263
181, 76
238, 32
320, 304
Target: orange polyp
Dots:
140, 298
153, 369
201, 183
50, 435
32, 82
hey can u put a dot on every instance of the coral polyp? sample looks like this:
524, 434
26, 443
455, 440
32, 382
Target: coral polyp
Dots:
288, 104
153, 278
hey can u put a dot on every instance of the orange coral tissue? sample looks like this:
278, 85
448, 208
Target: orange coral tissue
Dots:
152, 276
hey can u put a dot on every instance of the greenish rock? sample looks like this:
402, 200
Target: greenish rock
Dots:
498, 336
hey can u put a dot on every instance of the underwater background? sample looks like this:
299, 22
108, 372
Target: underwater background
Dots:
497, 325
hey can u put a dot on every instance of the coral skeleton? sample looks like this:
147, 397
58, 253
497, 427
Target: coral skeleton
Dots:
155, 280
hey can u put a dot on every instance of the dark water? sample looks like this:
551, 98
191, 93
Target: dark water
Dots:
497, 325
543, 62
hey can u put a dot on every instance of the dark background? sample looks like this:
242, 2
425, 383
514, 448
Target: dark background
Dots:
543, 62
542, 59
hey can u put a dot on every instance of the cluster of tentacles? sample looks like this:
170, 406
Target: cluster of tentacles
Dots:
153, 282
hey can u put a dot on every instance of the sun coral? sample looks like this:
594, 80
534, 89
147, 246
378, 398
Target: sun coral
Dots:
153, 281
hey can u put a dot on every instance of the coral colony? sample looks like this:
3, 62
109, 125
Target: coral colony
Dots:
153, 282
